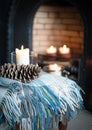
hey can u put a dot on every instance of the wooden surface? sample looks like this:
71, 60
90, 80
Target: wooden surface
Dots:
62, 126
17, 127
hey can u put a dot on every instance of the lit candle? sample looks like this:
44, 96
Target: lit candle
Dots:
64, 50
22, 56
51, 50
54, 67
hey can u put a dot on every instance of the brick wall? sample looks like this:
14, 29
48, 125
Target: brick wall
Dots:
57, 26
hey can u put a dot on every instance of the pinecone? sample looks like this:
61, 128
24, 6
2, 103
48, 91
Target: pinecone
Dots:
23, 73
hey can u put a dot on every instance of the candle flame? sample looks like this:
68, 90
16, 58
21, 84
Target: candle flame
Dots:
64, 46
51, 46
22, 47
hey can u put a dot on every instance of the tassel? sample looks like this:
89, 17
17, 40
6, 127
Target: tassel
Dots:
39, 103
10, 108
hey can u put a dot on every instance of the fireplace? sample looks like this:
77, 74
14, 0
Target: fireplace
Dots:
64, 26
17, 29
58, 25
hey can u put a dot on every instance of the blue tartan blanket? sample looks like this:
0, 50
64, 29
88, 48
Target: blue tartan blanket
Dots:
37, 104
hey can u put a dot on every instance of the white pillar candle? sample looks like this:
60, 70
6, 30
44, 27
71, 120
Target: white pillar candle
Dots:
22, 56
64, 50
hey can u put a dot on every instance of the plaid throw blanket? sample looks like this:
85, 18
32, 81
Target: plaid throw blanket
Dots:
37, 104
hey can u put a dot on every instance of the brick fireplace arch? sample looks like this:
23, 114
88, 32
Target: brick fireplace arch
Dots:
58, 25
20, 25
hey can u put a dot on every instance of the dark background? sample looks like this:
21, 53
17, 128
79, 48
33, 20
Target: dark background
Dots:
23, 9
